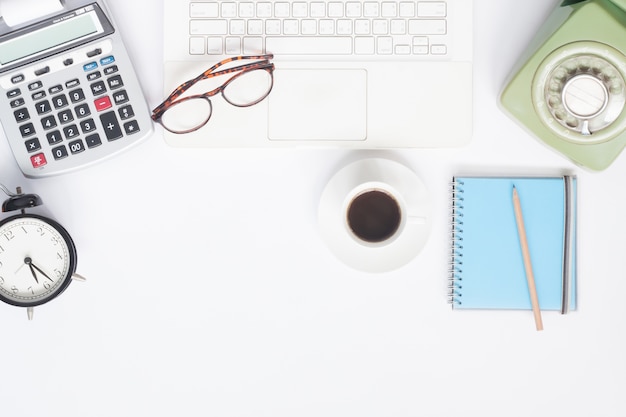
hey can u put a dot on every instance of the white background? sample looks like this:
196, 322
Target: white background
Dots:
211, 293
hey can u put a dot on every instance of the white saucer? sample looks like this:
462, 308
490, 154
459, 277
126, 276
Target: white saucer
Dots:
406, 186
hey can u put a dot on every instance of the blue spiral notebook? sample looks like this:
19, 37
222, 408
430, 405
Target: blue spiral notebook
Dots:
487, 269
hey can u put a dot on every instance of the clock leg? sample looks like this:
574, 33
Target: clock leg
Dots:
78, 277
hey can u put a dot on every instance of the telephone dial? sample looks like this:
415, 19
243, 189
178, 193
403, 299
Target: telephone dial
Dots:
569, 89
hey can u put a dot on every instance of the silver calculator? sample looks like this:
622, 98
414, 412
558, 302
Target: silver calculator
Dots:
69, 96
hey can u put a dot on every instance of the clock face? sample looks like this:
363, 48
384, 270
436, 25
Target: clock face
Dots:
37, 260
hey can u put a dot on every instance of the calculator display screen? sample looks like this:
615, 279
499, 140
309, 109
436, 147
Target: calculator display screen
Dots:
51, 36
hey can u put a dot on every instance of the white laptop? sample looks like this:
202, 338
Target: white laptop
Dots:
356, 74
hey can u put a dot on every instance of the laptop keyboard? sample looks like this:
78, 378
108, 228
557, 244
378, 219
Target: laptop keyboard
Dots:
407, 29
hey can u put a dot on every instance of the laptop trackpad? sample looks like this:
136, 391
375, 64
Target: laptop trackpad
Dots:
320, 104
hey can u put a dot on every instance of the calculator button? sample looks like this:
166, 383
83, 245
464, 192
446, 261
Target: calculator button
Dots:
115, 82
33, 145
131, 127
68, 62
48, 122
21, 115
13, 93
126, 112
82, 110
93, 53
17, 102
70, 131
59, 152
43, 107
38, 160
27, 130
102, 103
35, 86
120, 97
90, 66
77, 95
92, 76
38, 95
88, 126
59, 101
111, 70
54, 137
107, 60
55, 89
17, 78
66, 116
77, 146
98, 88
42, 71
93, 140
72, 83
111, 126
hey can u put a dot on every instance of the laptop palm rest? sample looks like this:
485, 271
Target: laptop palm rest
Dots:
318, 105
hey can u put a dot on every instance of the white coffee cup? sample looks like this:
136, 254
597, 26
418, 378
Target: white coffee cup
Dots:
374, 215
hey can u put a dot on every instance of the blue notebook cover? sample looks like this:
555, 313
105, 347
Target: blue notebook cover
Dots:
487, 263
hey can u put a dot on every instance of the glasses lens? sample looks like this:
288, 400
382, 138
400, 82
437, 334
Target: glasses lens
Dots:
187, 115
248, 88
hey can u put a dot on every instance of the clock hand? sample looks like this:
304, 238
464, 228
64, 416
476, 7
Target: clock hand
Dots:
20, 268
41, 272
29, 262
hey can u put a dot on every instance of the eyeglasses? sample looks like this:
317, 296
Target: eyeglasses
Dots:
249, 85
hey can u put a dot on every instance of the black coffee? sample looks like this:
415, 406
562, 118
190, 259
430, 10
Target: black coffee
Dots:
374, 216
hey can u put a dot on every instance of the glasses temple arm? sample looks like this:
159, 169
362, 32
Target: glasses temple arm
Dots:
181, 89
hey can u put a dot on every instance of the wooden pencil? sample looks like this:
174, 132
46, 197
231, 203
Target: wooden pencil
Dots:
519, 218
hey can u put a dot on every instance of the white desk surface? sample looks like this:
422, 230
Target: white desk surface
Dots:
210, 292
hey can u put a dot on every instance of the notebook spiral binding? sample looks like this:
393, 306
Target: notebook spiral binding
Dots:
455, 273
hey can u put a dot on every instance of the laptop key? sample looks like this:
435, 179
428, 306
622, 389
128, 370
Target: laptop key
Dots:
364, 45
208, 27
206, 10
293, 45
427, 27
253, 45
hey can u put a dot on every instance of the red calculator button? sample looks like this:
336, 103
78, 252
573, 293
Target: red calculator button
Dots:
102, 103
38, 160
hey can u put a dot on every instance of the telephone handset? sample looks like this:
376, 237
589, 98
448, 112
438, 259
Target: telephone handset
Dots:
571, 89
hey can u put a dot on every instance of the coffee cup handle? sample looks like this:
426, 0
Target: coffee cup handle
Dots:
417, 220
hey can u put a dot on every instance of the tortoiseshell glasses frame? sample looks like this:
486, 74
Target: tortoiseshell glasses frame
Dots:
262, 63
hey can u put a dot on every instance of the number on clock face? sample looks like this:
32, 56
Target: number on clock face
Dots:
35, 260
